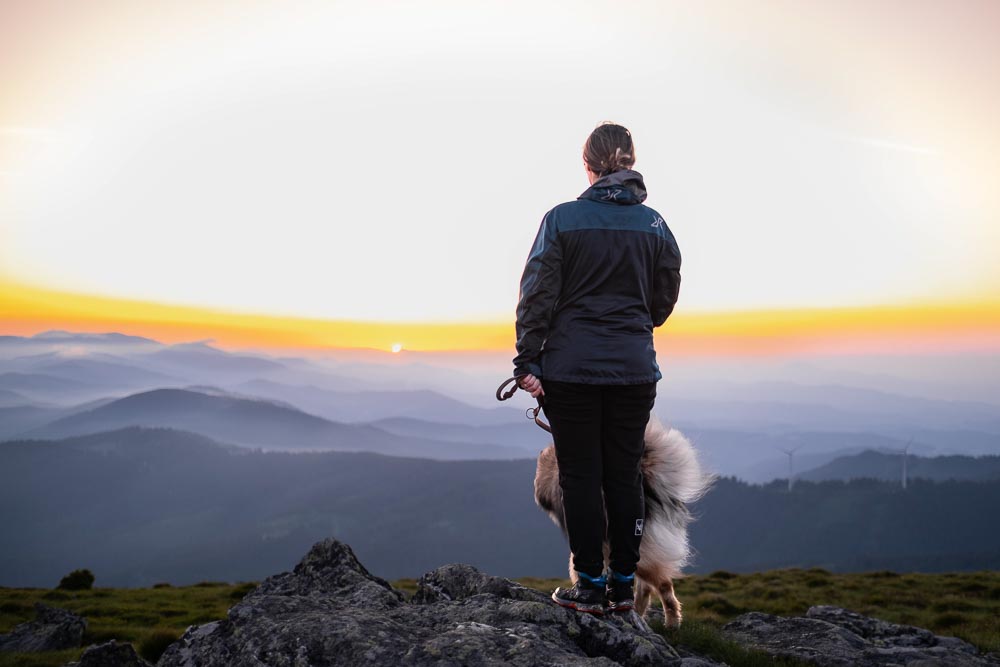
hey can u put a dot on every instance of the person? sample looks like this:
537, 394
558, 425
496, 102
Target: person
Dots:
603, 272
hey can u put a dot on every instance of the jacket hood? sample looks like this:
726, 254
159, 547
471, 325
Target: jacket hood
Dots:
624, 186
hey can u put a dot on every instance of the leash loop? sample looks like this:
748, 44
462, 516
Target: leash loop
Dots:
530, 413
538, 420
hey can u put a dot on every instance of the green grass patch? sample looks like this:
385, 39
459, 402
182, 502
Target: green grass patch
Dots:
704, 639
408, 586
149, 618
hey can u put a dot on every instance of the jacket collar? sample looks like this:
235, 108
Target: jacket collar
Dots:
620, 187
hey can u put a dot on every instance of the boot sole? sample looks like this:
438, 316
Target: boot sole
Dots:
597, 610
621, 606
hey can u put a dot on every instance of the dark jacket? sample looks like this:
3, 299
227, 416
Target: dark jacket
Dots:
603, 272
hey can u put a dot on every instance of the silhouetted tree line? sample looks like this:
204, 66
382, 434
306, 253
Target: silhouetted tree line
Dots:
139, 506
862, 524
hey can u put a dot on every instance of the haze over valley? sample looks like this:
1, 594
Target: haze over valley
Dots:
187, 462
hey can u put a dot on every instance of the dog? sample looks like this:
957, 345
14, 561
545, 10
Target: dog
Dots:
672, 479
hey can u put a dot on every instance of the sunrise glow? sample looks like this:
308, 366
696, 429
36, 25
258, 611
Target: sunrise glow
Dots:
889, 329
341, 175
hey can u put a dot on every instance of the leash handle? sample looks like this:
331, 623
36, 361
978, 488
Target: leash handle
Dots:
510, 393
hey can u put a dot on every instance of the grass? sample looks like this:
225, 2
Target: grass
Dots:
703, 638
150, 618
965, 605
956, 604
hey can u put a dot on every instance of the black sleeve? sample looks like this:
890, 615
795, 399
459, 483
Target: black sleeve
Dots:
666, 280
540, 285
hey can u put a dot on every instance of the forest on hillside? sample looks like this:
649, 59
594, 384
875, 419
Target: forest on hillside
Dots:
141, 505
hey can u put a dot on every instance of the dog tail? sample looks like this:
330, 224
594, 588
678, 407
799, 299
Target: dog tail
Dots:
548, 494
670, 467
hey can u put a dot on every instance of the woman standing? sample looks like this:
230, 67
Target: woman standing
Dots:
604, 270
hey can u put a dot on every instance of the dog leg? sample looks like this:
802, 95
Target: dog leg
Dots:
671, 605
642, 594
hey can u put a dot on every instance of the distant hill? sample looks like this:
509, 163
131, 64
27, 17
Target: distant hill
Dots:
104, 370
141, 505
64, 368
523, 434
48, 339
89, 365
10, 398
857, 399
43, 385
757, 457
955, 441
18, 419
110, 338
256, 423
369, 406
889, 466
827, 407
854, 526
183, 357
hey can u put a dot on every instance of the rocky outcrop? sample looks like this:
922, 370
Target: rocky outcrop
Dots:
53, 629
331, 610
834, 637
112, 653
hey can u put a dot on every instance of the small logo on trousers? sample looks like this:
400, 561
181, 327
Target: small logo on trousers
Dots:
638, 526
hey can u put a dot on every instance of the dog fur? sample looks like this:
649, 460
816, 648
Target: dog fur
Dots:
672, 478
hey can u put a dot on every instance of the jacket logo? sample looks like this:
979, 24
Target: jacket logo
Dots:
612, 195
638, 526
659, 222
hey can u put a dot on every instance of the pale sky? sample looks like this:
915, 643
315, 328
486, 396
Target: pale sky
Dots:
392, 161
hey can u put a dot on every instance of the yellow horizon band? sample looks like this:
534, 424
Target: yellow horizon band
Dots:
928, 327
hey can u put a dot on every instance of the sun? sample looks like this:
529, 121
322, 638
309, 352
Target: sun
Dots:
397, 348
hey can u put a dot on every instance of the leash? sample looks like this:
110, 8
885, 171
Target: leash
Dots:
530, 413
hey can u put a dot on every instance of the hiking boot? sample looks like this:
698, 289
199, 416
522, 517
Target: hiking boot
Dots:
586, 595
620, 595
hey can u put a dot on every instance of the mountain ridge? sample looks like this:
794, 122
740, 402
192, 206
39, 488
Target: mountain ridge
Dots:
144, 505
256, 422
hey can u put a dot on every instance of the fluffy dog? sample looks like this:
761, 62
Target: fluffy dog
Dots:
672, 478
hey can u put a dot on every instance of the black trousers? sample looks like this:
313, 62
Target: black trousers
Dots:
598, 432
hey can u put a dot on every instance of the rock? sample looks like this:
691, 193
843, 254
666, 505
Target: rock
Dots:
111, 653
331, 610
835, 637
53, 629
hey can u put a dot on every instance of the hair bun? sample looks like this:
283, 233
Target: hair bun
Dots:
610, 148
620, 160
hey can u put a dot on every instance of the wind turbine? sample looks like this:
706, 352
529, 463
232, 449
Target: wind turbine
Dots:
904, 451
791, 470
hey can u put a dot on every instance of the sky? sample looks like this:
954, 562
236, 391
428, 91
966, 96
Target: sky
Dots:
373, 174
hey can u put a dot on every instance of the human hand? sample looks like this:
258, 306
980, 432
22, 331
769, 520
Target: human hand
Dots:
531, 384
